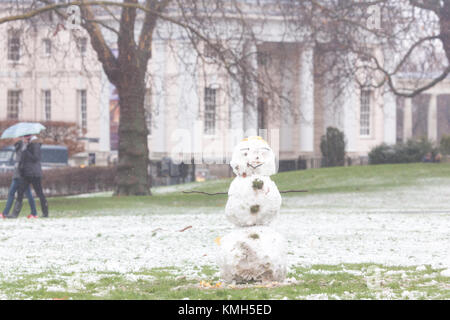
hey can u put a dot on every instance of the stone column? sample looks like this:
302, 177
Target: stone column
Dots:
407, 120
158, 65
236, 106
104, 142
250, 108
189, 95
236, 109
432, 119
390, 118
306, 118
350, 111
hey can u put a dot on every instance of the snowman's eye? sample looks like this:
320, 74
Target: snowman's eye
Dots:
244, 151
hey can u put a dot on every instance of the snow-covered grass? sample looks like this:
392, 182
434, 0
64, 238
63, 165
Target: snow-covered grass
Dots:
380, 243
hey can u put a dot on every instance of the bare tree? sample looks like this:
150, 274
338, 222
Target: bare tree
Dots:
411, 36
377, 41
128, 26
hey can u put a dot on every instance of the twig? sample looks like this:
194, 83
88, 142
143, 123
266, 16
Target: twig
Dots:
217, 193
207, 193
287, 191
184, 229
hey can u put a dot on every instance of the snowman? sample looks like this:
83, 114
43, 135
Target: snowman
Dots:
254, 251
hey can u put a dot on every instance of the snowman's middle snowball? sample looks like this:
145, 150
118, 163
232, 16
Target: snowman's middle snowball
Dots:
253, 200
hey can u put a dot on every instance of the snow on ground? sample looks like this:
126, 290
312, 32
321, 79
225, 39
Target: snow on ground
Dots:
403, 227
428, 195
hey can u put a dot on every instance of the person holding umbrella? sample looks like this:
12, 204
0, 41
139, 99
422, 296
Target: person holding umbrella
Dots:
29, 165
16, 181
31, 173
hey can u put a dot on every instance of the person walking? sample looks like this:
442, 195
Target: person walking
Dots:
15, 183
31, 172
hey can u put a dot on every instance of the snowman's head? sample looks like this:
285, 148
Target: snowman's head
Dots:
253, 156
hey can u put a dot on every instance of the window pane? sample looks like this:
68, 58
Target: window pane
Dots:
210, 111
13, 45
47, 44
364, 119
47, 101
82, 100
14, 101
261, 114
82, 45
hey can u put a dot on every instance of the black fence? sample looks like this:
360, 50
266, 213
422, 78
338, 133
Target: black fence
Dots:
166, 172
319, 162
75, 180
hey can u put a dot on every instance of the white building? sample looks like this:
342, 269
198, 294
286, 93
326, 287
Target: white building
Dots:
48, 73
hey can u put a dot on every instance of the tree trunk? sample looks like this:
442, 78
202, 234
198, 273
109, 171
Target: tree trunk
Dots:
132, 171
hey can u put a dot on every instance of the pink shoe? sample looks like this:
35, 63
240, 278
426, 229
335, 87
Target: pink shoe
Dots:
2, 216
30, 216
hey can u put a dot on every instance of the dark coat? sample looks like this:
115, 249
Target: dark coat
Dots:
30, 161
18, 147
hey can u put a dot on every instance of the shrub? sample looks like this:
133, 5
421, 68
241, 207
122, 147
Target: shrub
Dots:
411, 151
382, 154
445, 144
332, 146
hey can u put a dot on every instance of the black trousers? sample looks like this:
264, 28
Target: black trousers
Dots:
37, 186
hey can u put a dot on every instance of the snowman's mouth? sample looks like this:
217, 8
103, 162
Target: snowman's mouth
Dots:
255, 166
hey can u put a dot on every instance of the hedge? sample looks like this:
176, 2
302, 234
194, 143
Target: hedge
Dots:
332, 146
445, 145
411, 151
70, 181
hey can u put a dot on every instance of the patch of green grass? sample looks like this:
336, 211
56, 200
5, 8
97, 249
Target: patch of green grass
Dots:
208, 272
344, 281
316, 181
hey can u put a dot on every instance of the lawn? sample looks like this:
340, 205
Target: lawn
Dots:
375, 232
334, 282
357, 179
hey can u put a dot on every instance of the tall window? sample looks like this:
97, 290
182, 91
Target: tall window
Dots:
47, 46
14, 104
364, 117
148, 110
210, 111
82, 106
210, 51
82, 45
263, 58
261, 114
13, 45
47, 103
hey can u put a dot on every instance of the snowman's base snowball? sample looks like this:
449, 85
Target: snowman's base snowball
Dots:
252, 254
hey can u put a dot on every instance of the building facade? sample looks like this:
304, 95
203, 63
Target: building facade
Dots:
195, 109
50, 74
426, 115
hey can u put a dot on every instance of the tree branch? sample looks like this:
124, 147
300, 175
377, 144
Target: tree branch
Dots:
126, 42
219, 193
207, 193
146, 35
99, 44
431, 5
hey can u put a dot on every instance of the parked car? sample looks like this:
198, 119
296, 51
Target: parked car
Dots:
51, 157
